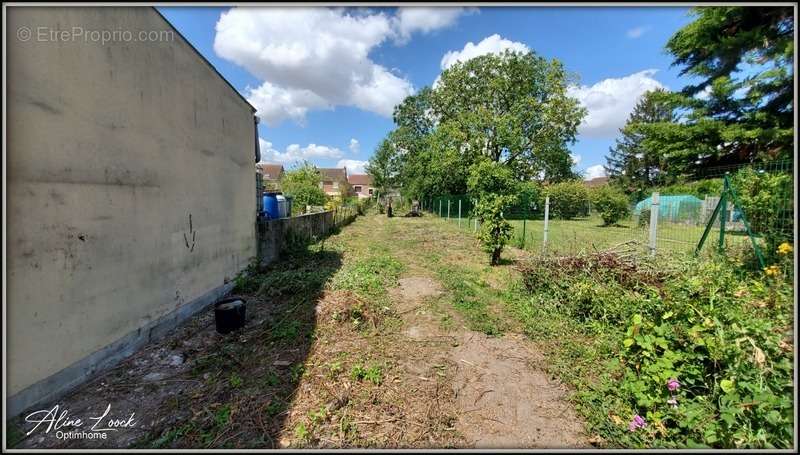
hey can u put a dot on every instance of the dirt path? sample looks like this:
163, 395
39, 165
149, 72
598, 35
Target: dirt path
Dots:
502, 400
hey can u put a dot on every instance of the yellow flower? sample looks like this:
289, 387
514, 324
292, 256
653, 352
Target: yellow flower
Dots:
785, 248
772, 270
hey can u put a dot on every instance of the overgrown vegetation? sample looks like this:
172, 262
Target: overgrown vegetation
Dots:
696, 354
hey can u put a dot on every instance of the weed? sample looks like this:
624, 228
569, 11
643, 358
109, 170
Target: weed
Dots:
373, 374
297, 371
235, 380
335, 368
275, 407
301, 432
271, 379
285, 331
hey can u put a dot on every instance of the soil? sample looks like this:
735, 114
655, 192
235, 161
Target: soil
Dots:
503, 401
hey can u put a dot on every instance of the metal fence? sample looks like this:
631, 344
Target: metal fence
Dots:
669, 220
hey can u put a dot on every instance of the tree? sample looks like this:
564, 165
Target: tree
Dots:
741, 110
494, 187
304, 185
632, 165
512, 108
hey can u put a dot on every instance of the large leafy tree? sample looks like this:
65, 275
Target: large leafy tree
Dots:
512, 108
741, 109
631, 164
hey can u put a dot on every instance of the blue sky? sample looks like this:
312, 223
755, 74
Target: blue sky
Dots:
298, 66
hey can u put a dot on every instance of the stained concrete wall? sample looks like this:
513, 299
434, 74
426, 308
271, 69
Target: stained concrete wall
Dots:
274, 235
131, 191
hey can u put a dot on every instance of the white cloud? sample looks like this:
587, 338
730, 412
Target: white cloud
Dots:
354, 146
315, 58
594, 171
576, 159
494, 44
295, 153
610, 101
353, 166
425, 20
704, 94
637, 32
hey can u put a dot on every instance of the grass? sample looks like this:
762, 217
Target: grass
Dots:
589, 234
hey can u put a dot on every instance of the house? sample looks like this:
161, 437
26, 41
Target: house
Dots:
271, 175
133, 199
595, 182
334, 180
362, 185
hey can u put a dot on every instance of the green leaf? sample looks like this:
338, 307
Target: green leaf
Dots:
727, 385
637, 319
628, 342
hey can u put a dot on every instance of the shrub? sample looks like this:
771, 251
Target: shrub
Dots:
611, 203
304, 185
703, 353
494, 187
568, 199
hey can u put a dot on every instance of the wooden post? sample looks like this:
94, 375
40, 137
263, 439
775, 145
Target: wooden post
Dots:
448, 209
654, 207
440, 208
546, 220
459, 213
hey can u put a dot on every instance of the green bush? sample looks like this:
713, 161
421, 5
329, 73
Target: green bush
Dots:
303, 184
611, 203
720, 335
568, 199
494, 187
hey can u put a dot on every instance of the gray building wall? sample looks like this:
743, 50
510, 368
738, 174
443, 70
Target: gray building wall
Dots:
131, 192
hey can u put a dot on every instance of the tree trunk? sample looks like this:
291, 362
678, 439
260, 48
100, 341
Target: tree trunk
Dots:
496, 256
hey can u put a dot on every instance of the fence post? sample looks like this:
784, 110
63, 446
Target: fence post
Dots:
440, 208
459, 212
448, 209
546, 221
653, 223
723, 215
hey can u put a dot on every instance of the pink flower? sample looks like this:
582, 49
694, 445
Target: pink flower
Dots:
637, 422
673, 385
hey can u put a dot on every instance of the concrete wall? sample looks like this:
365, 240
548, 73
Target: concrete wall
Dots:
274, 235
131, 192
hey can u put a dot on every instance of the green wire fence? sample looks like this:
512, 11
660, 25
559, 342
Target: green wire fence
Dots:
745, 206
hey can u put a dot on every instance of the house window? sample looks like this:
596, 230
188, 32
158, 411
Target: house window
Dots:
370, 191
335, 185
357, 188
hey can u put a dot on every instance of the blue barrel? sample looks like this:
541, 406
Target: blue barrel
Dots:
289, 206
271, 206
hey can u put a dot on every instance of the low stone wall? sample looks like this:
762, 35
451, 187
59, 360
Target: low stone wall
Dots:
274, 235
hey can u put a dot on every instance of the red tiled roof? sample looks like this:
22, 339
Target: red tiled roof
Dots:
597, 181
333, 174
270, 171
360, 179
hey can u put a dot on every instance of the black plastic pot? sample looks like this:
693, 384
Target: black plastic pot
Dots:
229, 314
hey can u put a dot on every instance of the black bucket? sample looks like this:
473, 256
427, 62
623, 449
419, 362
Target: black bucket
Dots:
229, 314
